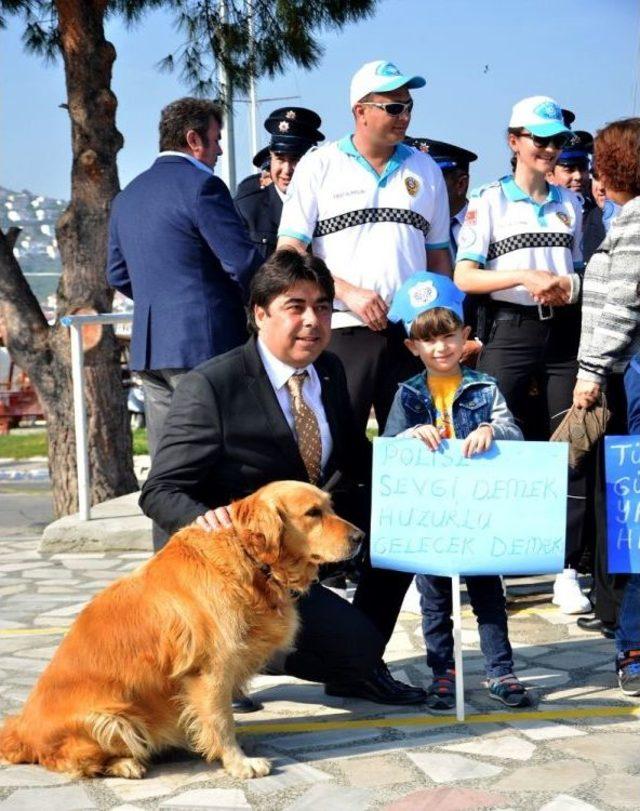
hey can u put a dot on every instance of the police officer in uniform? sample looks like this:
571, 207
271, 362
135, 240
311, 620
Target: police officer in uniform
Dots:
258, 180
454, 162
571, 169
293, 130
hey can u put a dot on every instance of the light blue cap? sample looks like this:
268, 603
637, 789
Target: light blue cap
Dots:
540, 115
380, 77
425, 291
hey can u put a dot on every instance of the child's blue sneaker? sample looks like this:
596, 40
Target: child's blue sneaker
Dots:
442, 693
509, 690
628, 667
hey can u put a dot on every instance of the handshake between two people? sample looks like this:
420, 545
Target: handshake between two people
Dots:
548, 288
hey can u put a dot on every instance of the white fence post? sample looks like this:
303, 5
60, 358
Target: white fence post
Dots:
80, 414
75, 324
457, 645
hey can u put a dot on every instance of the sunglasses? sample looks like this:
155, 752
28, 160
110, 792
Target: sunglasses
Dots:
393, 108
556, 141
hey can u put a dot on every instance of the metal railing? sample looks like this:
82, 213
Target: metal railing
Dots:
75, 324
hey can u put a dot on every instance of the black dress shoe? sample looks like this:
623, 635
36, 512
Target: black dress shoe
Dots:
379, 686
243, 703
596, 625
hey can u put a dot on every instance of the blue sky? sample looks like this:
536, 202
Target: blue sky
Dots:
585, 53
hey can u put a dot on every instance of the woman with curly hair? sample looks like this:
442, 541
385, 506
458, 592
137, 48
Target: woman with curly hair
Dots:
609, 339
611, 307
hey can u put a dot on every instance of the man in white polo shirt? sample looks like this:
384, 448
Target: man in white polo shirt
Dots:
376, 211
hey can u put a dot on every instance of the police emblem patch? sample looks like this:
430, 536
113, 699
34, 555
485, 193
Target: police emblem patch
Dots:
291, 115
387, 69
471, 217
564, 218
422, 294
283, 126
548, 110
412, 185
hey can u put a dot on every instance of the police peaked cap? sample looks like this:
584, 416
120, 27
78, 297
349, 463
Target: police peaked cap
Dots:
295, 121
262, 158
294, 130
447, 156
578, 150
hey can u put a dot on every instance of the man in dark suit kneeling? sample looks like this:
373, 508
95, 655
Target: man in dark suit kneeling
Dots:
278, 408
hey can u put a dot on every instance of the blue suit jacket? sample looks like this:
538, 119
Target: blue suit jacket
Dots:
179, 250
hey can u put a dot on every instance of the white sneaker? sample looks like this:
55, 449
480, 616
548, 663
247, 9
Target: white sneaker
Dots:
567, 594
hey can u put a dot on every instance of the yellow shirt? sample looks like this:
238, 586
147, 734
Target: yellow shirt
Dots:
442, 391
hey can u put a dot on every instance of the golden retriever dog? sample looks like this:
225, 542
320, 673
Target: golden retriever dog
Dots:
153, 660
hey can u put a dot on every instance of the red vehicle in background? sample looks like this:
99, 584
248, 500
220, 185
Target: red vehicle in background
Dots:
18, 398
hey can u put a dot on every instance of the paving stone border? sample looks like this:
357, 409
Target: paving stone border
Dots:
549, 762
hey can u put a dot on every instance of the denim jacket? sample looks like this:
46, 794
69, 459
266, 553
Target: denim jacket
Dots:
477, 401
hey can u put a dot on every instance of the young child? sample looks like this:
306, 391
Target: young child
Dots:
453, 401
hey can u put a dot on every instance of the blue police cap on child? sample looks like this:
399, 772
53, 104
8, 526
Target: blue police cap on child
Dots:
425, 291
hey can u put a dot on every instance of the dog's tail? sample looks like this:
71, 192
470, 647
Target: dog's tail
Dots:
13, 746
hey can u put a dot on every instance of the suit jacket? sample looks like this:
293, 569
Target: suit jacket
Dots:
179, 250
226, 436
260, 210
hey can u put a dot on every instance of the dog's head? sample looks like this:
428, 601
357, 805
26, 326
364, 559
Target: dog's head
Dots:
291, 524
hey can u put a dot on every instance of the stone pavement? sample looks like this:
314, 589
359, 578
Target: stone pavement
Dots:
578, 749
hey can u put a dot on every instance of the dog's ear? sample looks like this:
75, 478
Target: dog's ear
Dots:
260, 525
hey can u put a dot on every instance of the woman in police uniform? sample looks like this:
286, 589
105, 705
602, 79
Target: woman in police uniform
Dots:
520, 244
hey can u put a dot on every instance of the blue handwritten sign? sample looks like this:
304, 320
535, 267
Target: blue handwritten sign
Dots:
501, 512
622, 466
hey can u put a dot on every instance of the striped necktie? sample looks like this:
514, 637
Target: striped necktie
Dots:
307, 429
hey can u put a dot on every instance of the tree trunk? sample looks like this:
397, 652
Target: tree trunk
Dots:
43, 351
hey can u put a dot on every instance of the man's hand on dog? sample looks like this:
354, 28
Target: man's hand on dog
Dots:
219, 518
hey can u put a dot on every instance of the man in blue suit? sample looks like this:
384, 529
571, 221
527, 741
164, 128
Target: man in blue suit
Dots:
179, 250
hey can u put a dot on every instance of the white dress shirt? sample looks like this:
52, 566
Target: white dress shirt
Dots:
198, 164
278, 374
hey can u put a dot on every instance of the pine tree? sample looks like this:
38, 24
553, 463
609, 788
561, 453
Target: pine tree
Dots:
282, 30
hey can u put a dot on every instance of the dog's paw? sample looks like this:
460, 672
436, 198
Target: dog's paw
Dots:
126, 767
247, 767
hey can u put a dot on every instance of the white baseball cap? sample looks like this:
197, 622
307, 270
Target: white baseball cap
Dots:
540, 115
380, 77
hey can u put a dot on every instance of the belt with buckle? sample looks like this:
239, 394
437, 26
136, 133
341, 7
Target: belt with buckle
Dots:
506, 311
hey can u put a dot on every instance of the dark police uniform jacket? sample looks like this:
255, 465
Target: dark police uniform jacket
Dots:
260, 210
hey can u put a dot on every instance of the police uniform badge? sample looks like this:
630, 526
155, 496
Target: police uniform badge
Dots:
564, 218
412, 185
283, 126
291, 115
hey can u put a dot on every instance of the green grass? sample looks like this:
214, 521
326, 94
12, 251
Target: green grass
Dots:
22, 446
34, 443
140, 445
